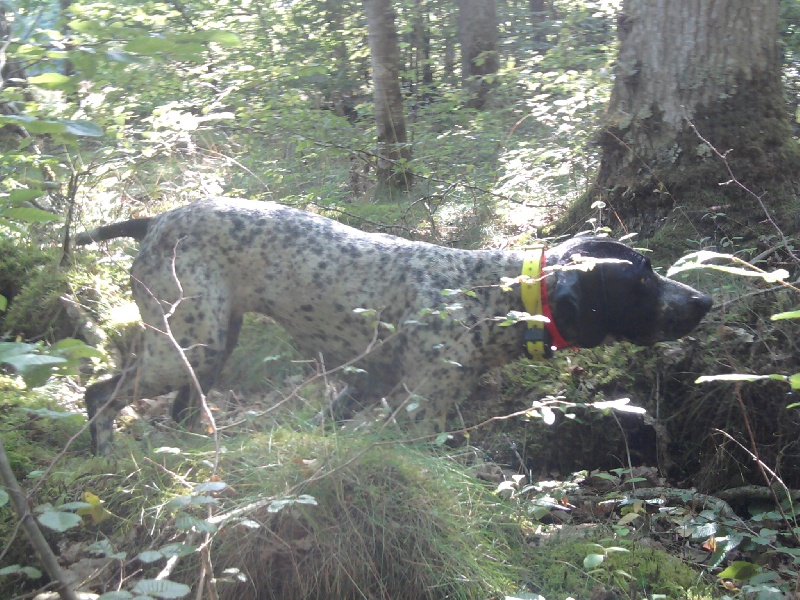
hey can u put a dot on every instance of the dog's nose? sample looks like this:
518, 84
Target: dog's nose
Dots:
701, 303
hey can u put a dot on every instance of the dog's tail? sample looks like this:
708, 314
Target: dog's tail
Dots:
134, 228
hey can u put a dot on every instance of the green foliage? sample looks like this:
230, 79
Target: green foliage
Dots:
407, 515
351, 511
36, 363
700, 260
36, 310
19, 262
565, 566
127, 107
263, 358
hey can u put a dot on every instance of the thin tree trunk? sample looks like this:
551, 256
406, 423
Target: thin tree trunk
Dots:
477, 32
422, 44
538, 14
394, 153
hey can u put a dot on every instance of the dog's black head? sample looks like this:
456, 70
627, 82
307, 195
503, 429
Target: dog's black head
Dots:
601, 289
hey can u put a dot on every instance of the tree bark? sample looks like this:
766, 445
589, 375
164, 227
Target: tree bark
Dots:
422, 45
394, 153
477, 32
538, 14
712, 64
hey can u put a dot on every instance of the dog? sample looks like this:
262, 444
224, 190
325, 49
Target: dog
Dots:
340, 292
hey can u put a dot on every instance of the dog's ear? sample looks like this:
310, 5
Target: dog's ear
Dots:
565, 302
577, 307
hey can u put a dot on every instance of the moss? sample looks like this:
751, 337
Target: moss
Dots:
555, 570
36, 311
30, 281
32, 439
18, 260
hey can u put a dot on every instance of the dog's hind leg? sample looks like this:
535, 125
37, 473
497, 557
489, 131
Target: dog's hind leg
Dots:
104, 400
186, 407
205, 344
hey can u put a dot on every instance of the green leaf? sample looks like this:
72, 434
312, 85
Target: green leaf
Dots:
123, 57
118, 595
25, 195
30, 214
621, 404
149, 45
739, 570
226, 39
3, 497
593, 561
696, 260
210, 486
171, 550
190, 500
794, 381
731, 377
442, 439
52, 81
74, 505
150, 556
53, 126
18, 570
104, 548
75, 349
51, 414
724, 545
186, 522
34, 125
83, 128
794, 314
161, 588
33, 368
59, 521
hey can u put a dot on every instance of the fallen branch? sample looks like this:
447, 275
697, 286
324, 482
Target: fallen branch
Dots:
35, 535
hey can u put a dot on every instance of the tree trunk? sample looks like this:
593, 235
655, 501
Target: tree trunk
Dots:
712, 64
394, 153
341, 92
538, 14
422, 45
477, 32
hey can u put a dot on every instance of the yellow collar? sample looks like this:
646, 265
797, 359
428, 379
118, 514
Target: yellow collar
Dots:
536, 336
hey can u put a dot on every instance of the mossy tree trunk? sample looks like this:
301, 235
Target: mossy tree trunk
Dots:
711, 64
394, 153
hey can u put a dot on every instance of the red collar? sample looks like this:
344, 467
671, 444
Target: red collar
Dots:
557, 342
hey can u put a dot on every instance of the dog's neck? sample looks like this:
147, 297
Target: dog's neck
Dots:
502, 343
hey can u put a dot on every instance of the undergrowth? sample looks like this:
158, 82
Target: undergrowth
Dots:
630, 569
300, 514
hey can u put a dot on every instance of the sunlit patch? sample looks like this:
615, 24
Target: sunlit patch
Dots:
124, 314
